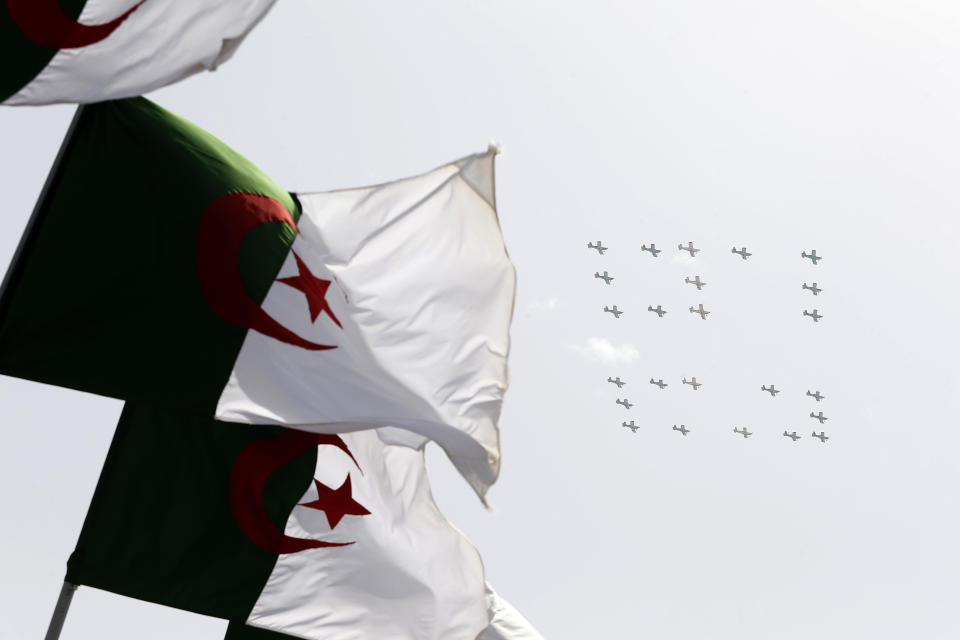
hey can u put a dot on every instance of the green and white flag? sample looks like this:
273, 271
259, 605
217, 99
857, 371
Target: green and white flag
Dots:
93, 50
317, 536
163, 267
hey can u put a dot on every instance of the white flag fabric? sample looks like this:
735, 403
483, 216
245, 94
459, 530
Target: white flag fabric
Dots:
407, 572
413, 287
506, 623
122, 48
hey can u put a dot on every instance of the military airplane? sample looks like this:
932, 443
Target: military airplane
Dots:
792, 435
693, 383
745, 433
659, 310
703, 312
743, 252
682, 429
816, 396
696, 281
652, 249
689, 248
822, 435
626, 404
616, 312
631, 425
660, 383
814, 289
617, 381
599, 247
606, 277
772, 390
822, 418
813, 257
815, 315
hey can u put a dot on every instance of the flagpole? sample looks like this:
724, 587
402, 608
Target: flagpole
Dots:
33, 222
60, 611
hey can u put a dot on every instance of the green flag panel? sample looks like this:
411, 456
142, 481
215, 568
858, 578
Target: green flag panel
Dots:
147, 219
240, 631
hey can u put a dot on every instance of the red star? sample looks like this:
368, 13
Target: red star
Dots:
314, 288
336, 503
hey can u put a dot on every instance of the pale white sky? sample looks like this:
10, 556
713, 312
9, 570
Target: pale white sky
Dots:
783, 126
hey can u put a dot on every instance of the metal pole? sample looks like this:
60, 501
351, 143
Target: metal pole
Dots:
60, 611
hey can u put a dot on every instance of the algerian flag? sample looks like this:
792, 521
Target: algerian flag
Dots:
311, 535
93, 50
164, 267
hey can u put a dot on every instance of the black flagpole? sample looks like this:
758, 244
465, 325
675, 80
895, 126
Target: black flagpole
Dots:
60, 611
30, 230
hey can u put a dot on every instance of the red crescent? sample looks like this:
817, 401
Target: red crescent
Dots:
44, 22
224, 225
251, 468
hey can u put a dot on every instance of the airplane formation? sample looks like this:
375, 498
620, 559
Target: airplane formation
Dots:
703, 312
616, 312
699, 283
815, 289
606, 277
742, 431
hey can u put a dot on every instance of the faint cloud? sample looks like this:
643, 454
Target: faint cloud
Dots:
602, 350
545, 304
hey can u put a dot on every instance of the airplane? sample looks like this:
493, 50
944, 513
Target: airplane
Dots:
792, 435
772, 389
599, 247
626, 404
703, 312
652, 249
616, 312
815, 315
814, 289
822, 435
819, 417
816, 396
617, 381
683, 429
606, 277
659, 310
660, 383
689, 248
743, 252
631, 425
814, 258
700, 284
745, 433
693, 383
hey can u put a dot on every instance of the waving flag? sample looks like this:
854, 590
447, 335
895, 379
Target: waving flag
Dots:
93, 50
506, 623
312, 535
196, 283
